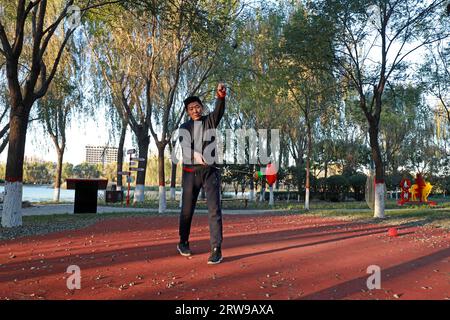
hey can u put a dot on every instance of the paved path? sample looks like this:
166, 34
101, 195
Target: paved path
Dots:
68, 209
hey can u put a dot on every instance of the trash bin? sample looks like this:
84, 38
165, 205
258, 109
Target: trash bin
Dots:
114, 196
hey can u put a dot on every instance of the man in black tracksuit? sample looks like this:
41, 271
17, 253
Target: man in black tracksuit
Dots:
199, 171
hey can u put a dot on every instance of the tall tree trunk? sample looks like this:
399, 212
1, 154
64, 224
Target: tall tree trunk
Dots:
308, 158
252, 185
280, 159
324, 190
161, 178
271, 197
143, 143
262, 195
173, 180
12, 205
123, 133
379, 170
298, 167
59, 164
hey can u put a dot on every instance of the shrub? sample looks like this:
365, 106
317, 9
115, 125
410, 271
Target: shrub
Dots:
337, 187
358, 184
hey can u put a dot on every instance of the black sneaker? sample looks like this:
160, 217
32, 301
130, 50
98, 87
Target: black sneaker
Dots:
216, 256
183, 249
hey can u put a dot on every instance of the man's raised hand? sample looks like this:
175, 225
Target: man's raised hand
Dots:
221, 90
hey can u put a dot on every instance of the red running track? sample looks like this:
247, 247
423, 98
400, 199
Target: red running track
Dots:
265, 257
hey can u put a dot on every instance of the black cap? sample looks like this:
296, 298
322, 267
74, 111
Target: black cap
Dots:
192, 99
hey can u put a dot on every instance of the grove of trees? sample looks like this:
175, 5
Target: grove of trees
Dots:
351, 85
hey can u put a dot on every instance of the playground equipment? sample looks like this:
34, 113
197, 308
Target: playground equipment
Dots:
415, 193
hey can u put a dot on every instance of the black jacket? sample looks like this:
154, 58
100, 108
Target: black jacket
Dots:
210, 121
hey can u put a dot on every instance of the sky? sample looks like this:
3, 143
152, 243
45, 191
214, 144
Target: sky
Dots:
79, 135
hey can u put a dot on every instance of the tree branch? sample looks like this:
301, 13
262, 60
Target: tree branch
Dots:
46, 82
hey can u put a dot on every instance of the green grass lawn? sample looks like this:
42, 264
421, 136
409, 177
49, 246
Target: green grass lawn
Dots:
438, 217
292, 205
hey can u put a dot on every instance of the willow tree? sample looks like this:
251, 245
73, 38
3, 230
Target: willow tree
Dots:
26, 30
372, 42
435, 75
249, 69
190, 36
55, 110
168, 50
398, 125
311, 86
113, 70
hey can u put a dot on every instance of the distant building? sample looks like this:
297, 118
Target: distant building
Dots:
101, 154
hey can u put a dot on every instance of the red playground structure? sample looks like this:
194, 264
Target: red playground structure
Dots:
417, 193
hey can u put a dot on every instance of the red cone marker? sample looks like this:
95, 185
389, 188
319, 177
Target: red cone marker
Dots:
392, 232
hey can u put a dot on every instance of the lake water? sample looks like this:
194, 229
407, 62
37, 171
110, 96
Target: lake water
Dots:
43, 193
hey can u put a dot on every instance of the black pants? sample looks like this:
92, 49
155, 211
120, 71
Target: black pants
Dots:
209, 179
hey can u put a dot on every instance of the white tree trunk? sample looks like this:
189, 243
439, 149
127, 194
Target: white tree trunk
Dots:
181, 198
252, 195
56, 194
271, 201
379, 200
138, 193
172, 193
262, 195
12, 205
306, 198
162, 199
